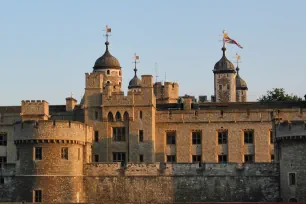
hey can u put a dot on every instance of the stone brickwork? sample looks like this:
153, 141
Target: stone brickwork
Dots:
34, 110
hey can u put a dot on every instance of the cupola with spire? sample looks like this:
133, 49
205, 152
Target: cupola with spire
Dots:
106, 61
224, 65
135, 82
241, 85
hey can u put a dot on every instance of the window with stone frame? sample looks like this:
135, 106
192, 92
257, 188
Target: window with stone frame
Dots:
3, 139
140, 114
140, 135
222, 158
37, 198
96, 136
118, 156
141, 158
292, 179
248, 158
119, 134
64, 153
96, 158
38, 153
196, 158
248, 136
196, 137
222, 136
171, 138
96, 115
271, 137
272, 157
171, 158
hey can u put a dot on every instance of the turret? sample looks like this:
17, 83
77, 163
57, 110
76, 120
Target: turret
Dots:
224, 80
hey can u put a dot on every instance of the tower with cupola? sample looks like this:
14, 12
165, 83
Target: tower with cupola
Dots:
224, 80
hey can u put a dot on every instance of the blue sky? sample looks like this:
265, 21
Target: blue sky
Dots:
46, 47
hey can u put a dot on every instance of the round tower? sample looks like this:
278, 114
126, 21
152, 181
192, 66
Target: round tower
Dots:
224, 80
241, 88
291, 154
50, 158
109, 66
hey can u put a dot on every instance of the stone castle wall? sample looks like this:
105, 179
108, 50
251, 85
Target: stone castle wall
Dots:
166, 183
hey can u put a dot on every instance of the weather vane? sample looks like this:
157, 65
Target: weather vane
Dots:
238, 59
136, 60
107, 30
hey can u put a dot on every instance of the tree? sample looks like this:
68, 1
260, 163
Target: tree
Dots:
279, 94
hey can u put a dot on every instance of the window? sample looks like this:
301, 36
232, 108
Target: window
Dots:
1, 180
96, 115
141, 158
220, 87
196, 137
248, 136
272, 157
110, 117
17, 154
140, 135
108, 83
64, 153
96, 136
119, 73
171, 138
248, 158
79, 154
222, 158
140, 114
37, 196
271, 137
222, 137
126, 116
38, 153
118, 156
3, 139
171, 158
196, 158
96, 158
119, 134
119, 84
292, 179
107, 72
228, 87
118, 116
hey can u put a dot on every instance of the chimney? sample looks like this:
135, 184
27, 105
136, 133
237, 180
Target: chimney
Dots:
187, 102
70, 104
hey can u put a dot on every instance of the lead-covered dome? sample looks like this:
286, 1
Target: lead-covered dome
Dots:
240, 83
107, 61
135, 81
224, 65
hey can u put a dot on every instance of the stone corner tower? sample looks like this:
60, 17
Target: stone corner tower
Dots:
241, 88
224, 80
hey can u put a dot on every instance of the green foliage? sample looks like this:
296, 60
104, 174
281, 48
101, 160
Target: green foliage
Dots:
278, 94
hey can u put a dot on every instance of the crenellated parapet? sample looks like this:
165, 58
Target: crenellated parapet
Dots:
295, 129
53, 132
34, 110
168, 92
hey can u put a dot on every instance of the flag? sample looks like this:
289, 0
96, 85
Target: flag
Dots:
227, 39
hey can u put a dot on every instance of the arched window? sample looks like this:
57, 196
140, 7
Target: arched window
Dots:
108, 72
108, 82
110, 117
118, 116
126, 116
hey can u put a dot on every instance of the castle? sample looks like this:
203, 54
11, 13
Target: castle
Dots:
153, 145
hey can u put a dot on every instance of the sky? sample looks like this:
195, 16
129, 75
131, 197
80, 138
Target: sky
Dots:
46, 47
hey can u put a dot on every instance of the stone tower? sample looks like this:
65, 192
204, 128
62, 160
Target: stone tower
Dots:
106, 72
241, 88
50, 159
291, 154
224, 80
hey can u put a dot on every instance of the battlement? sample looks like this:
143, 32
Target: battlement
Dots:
53, 130
34, 110
294, 129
